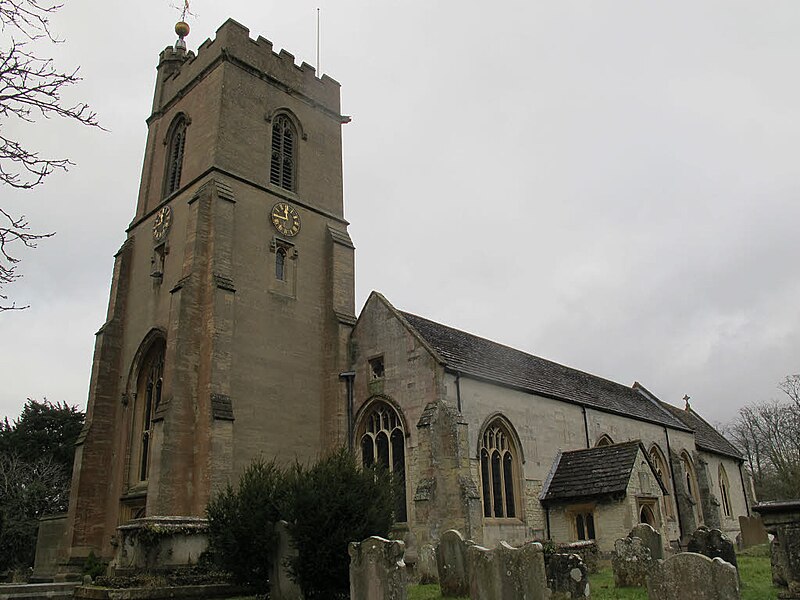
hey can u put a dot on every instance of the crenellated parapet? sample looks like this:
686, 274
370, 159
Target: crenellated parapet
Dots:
179, 70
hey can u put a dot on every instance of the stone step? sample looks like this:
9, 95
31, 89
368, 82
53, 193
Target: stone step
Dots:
17, 591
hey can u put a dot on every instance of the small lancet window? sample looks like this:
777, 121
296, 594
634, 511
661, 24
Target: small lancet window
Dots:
284, 147
175, 147
280, 264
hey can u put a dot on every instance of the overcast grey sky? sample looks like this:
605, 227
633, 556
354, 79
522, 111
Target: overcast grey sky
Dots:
612, 185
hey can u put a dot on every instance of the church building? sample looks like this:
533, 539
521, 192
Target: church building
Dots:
232, 334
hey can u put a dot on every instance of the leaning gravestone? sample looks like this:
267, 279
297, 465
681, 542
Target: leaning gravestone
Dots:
507, 573
452, 565
713, 544
377, 570
650, 538
281, 586
753, 531
691, 576
631, 562
567, 577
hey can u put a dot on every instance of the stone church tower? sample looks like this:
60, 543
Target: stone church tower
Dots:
232, 298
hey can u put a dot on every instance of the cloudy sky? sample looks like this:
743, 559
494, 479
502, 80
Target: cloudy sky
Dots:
612, 185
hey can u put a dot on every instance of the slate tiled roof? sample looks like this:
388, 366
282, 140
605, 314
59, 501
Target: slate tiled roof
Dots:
482, 358
591, 473
705, 436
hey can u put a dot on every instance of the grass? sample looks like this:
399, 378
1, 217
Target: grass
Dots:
753, 565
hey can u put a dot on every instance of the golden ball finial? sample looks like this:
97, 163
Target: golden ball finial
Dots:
182, 29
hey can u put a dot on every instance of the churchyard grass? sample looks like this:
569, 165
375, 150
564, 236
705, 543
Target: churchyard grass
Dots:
753, 564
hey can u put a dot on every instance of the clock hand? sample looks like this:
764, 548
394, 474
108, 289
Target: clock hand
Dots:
280, 217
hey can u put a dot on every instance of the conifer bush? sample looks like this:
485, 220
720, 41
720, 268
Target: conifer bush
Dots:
327, 505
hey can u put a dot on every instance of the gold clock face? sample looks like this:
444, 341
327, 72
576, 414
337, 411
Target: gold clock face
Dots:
162, 223
285, 219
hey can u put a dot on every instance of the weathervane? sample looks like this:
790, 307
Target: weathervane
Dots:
182, 27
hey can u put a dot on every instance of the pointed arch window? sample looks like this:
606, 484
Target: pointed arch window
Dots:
176, 143
280, 264
605, 440
498, 472
282, 170
383, 443
149, 390
724, 491
691, 479
661, 469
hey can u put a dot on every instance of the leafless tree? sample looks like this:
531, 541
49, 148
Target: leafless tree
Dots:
30, 88
769, 435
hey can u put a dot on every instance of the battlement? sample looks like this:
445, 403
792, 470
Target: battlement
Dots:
233, 44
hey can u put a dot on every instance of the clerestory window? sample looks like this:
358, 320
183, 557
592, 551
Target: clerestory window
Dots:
498, 472
282, 170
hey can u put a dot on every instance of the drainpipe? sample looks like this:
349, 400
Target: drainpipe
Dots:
458, 390
744, 489
674, 489
348, 377
547, 520
586, 426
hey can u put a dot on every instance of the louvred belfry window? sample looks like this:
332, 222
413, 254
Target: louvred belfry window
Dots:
282, 164
498, 473
175, 146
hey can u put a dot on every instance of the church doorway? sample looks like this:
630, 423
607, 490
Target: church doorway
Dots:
646, 515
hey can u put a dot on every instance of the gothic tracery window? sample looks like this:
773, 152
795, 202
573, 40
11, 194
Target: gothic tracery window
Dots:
383, 443
282, 170
175, 146
150, 388
498, 472
662, 470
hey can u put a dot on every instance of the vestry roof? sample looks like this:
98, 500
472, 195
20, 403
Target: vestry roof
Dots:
705, 436
484, 359
593, 472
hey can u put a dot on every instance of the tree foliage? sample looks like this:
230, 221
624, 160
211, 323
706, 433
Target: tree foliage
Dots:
327, 505
36, 454
769, 435
31, 87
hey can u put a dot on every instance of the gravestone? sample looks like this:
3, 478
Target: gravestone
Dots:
567, 577
586, 549
452, 565
691, 576
507, 573
782, 520
753, 531
426, 570
281, 586
377, 570
713, 544
650, 538
631, 562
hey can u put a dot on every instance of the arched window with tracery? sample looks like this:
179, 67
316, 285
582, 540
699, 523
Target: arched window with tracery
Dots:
724, 491
383, 443
282, 170
176, 142
605, 440
148, 398
662, 470
498, 471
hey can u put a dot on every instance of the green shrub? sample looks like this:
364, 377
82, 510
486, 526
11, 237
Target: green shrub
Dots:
333, 503
240, 523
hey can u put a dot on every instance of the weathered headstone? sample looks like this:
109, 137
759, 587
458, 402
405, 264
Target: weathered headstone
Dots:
713, 544
753, 531
691, 576
567, 577
782, 520
631, 562
281, 586
586, 549
377, 570
507, 573
650, 538
426, 570
452, 565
